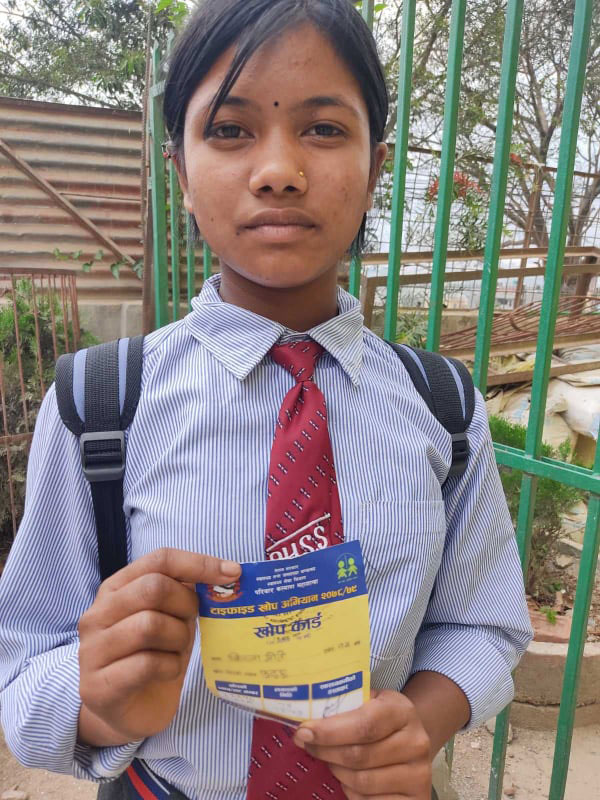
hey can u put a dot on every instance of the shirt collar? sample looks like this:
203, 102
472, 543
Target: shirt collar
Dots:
240, 339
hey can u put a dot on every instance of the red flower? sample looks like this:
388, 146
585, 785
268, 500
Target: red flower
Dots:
432, 191
462, 185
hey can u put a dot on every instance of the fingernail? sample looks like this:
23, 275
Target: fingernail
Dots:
305, 735
231, 568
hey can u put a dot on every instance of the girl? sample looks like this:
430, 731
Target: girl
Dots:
276, 111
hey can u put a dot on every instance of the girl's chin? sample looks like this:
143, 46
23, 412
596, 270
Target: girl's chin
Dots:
282, 273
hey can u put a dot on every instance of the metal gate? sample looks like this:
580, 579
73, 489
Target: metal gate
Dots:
529, 460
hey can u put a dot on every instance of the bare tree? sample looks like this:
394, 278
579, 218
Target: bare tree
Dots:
540, 96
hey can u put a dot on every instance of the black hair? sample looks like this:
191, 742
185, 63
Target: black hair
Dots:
216, 25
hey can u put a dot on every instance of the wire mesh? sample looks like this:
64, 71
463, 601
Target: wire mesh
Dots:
527, 220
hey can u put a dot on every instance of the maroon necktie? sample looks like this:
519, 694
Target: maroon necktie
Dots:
303, 514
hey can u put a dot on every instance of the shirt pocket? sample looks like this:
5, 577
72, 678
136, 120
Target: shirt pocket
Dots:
402, 544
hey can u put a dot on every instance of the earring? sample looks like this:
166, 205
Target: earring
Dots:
168, 148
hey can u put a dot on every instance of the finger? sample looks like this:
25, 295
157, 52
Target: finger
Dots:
152, 591
399, 747
373, 721
178, 564
351, 795
129, 674
412, 780
146, 630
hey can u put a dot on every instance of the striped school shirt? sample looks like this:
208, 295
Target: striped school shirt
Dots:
443, 573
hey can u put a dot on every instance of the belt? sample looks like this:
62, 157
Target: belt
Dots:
145, 785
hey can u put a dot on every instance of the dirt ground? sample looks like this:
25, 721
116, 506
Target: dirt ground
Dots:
529, 763
39, 784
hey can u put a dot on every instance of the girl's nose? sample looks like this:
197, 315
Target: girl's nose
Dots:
278, 172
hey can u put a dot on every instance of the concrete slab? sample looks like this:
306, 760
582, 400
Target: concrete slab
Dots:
538, 686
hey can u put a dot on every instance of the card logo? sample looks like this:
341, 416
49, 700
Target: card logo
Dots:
226, 593
346, 568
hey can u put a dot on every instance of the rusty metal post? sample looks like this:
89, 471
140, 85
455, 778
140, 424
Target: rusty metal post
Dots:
37, 336
6, 442
75, 314
19, 360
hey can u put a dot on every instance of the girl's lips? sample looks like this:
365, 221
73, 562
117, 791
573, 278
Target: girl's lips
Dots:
280, 233
279, 217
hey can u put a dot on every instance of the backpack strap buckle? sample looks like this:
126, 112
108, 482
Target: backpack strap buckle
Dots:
460, 454
104, 457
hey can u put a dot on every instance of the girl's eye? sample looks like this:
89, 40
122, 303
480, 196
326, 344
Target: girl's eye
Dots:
226, 131
230, 132
325, 130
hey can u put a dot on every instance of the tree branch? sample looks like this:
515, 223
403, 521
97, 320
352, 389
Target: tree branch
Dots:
443, 12
33, 81
51, 7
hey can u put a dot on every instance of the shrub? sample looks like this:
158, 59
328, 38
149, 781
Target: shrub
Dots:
15, 419
552, 500
412, 329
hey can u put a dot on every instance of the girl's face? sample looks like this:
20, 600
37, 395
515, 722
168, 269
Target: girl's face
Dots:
280, 186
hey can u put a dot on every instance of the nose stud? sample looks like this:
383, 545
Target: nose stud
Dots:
301, 174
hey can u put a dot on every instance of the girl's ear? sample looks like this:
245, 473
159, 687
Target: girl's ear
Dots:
378, 161
180, 169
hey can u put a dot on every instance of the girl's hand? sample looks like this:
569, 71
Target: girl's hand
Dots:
135, 644
379, 750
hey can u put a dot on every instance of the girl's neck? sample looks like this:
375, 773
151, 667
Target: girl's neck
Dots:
299, 308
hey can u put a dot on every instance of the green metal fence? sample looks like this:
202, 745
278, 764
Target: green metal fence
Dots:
529, 461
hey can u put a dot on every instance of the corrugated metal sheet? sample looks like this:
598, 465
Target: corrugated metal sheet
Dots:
91, 156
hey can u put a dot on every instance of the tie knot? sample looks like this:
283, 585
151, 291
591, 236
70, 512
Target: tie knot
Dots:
299, 358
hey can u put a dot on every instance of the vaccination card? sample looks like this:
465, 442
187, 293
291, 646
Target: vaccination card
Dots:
290, 638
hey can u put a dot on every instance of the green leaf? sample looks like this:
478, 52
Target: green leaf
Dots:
98, 255
114, 268
162, 5
550, 614
76, 255
87, 266
138, 267
59, 254
379, 7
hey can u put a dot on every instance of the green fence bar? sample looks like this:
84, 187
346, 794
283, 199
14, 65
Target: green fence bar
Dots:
207, 261
499, 754
400, 155
543, 467
355, 275
190, 260
581, 610
560, 221
367, 10
510, 58
566, 163
159, 200
446, 185
175, 217
510, 62
449, 753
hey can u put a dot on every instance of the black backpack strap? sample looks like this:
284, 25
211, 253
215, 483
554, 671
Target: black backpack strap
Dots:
447, 388
97, 393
